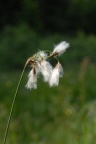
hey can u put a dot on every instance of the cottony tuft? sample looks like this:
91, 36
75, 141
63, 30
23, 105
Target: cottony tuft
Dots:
40, 65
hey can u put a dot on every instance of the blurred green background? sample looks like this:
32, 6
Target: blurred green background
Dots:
63, 114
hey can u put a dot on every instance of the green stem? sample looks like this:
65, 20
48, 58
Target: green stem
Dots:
12, 107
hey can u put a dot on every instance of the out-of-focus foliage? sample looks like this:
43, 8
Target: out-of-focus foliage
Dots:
51, 115
16, 45
64, 114
19, 43
65, 16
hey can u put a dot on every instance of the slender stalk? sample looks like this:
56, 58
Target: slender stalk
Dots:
52, 55
12, 107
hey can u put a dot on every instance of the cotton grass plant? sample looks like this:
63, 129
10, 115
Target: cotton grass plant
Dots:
40, 66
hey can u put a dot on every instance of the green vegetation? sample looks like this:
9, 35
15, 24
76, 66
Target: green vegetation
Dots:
59, 115
64, 114
19, 43
63, 16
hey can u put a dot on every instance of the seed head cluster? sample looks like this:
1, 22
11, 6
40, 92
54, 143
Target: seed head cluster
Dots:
40, 65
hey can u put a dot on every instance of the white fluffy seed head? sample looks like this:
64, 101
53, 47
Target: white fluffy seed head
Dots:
61, 48
54, 81
41, 55
38, 68
41, 66
61, 72
32, 80
46, 70
57, 72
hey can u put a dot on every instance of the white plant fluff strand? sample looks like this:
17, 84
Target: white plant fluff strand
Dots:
40, 65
